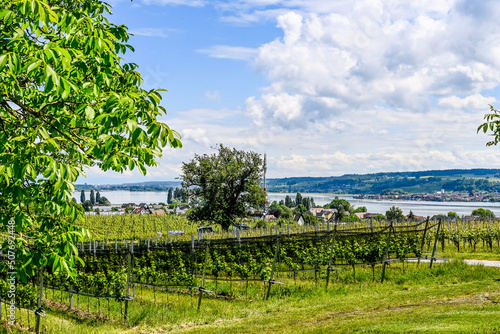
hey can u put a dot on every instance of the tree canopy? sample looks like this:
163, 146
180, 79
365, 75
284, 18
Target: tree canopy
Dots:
67, 102
226, 184
492, 123
394, 214
485, 214
343, 207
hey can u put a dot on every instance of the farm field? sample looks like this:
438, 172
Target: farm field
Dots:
449, 297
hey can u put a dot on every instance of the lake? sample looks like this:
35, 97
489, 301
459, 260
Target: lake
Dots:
419, 208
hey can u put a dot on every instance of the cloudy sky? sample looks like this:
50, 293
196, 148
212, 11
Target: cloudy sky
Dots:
323, 87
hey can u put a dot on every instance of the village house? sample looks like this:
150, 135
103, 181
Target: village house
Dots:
158, 212
299, 219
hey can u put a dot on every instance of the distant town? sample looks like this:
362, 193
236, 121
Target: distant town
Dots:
442, 196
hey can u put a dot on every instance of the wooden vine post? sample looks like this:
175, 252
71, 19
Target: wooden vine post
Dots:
435, 243
332, 246
386, 252
39, 312
276, 252
423, 240
127, 295
202, 287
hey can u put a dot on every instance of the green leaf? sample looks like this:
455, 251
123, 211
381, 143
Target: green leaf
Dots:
43, 132
49, 84
3, 61
89, 113
33, 66
131, 124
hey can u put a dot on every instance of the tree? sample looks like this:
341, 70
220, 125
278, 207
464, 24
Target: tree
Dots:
300, 209
82, 196
274, 205
104, 201
92, 197
87, 206
169, 196
394, 214
298, 199
67, 102
343, 207
484, 214
180, 195
492, 124
411, 215
306, 202
351, 218
98, 197
276, 212
226, 182
453, 214
361, 209
286, 212
288, 201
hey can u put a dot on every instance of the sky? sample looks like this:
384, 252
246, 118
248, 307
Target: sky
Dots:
323, 87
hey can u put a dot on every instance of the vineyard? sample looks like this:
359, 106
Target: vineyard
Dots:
254, 264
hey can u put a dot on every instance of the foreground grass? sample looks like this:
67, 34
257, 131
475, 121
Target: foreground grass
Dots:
450, 297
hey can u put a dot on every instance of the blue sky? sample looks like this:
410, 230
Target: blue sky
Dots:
323, 87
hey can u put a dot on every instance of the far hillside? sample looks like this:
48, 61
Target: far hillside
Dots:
471, 180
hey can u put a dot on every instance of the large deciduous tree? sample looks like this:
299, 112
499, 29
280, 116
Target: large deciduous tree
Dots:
226, 183
67, 102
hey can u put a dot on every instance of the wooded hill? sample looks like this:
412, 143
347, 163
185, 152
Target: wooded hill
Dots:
394, 182
478, 180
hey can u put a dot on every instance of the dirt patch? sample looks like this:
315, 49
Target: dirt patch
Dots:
76, 312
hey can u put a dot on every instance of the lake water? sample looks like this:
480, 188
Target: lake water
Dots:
419, 208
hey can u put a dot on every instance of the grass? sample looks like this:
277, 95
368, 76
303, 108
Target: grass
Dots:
450, 297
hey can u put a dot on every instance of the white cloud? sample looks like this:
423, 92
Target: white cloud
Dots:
402, 55
213, 95
354, 87
149, 32
190, 3
230, 52
197, 135
476, 101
